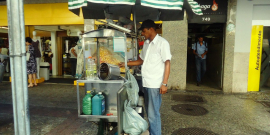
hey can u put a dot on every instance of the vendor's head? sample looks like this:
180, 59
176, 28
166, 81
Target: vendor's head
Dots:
28, 41
148, 29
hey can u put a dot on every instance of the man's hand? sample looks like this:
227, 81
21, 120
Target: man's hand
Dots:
163, 89
121, 64
203, 55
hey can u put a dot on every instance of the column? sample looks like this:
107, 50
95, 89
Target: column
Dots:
229, 47
176, 32
54, 51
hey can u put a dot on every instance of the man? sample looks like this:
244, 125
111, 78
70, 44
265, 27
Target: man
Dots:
155, 60
73, 59
200, 50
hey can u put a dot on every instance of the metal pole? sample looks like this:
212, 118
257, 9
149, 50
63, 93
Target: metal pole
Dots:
16, 35
136, 32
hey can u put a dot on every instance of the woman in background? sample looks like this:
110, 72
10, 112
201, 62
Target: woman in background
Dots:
31, 63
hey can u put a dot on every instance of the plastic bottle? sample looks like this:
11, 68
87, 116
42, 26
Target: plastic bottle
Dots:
98, 104
89, 69
94, 66
87, 104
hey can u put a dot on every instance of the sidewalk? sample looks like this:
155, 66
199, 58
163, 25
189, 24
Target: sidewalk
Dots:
53, 111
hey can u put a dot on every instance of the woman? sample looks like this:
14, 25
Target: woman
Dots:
31, 63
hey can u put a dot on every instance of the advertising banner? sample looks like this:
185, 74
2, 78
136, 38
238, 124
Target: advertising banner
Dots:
254, 71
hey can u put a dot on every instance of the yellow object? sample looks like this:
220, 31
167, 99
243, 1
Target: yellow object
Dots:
255, 58
40, 80
80, 84
45, 14
29, 31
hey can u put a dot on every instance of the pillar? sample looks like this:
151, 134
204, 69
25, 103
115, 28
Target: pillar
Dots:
176, 33
229, 47
54, 51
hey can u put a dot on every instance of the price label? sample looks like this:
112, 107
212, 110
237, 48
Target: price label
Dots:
206, 19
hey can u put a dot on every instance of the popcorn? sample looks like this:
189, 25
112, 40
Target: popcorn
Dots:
106, 56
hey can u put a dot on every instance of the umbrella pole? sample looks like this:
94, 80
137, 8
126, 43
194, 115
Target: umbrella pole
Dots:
136, 33
16, 34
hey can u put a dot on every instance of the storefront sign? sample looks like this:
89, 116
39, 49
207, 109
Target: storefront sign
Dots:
255, 58
214, 11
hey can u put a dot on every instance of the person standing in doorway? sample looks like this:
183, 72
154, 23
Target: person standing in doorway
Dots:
31, 63
155, 59
200, 50
73, 59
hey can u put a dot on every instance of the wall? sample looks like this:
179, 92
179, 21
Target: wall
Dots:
38, 1
229, 47
244, 16
176, 33
45, 14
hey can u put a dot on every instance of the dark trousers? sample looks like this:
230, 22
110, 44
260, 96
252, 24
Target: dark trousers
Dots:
73, 62
200, 67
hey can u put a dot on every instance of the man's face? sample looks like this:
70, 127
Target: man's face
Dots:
200, 39
146, 33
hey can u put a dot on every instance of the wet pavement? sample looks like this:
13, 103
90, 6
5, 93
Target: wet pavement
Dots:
53, 111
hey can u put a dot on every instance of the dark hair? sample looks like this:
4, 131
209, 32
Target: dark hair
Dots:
28, 39
148, 24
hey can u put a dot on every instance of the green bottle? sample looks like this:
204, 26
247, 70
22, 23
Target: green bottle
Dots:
87, 104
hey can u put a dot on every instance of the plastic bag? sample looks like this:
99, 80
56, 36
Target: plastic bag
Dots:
132, 89
133, 123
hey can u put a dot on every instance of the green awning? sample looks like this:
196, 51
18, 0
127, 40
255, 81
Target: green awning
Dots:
163, 4
74, 4
166, 10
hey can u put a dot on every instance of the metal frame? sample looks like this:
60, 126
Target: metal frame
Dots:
120, 93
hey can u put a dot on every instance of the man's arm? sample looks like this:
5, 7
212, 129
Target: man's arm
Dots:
135, 63
132, 63
194, 52
163, 89
204, 53
73, 52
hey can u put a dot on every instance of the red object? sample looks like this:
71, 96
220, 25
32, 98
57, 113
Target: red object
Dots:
141, 43
109, 114
50, 66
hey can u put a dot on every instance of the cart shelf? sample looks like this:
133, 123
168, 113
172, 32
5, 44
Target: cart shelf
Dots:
100, 81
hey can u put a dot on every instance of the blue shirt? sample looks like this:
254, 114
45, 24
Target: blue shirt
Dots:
200, 49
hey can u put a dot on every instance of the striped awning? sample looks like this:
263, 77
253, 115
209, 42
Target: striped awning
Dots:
74, 4
163, 4
168, 9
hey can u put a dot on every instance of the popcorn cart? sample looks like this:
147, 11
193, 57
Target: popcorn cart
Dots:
107, 48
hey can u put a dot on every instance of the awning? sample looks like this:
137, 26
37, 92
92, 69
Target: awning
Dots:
166, 10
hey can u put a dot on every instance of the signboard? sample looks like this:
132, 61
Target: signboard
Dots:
214, 11
255, 56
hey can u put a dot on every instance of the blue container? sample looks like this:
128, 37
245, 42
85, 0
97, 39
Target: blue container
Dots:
98, 104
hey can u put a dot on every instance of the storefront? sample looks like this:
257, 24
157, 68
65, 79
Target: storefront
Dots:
49, 21
250, 14
211, 26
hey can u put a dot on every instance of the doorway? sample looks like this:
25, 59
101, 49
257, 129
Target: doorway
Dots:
213, 34
265, 66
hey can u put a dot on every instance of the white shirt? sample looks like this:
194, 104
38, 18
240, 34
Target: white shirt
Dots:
154, 56
76, 51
